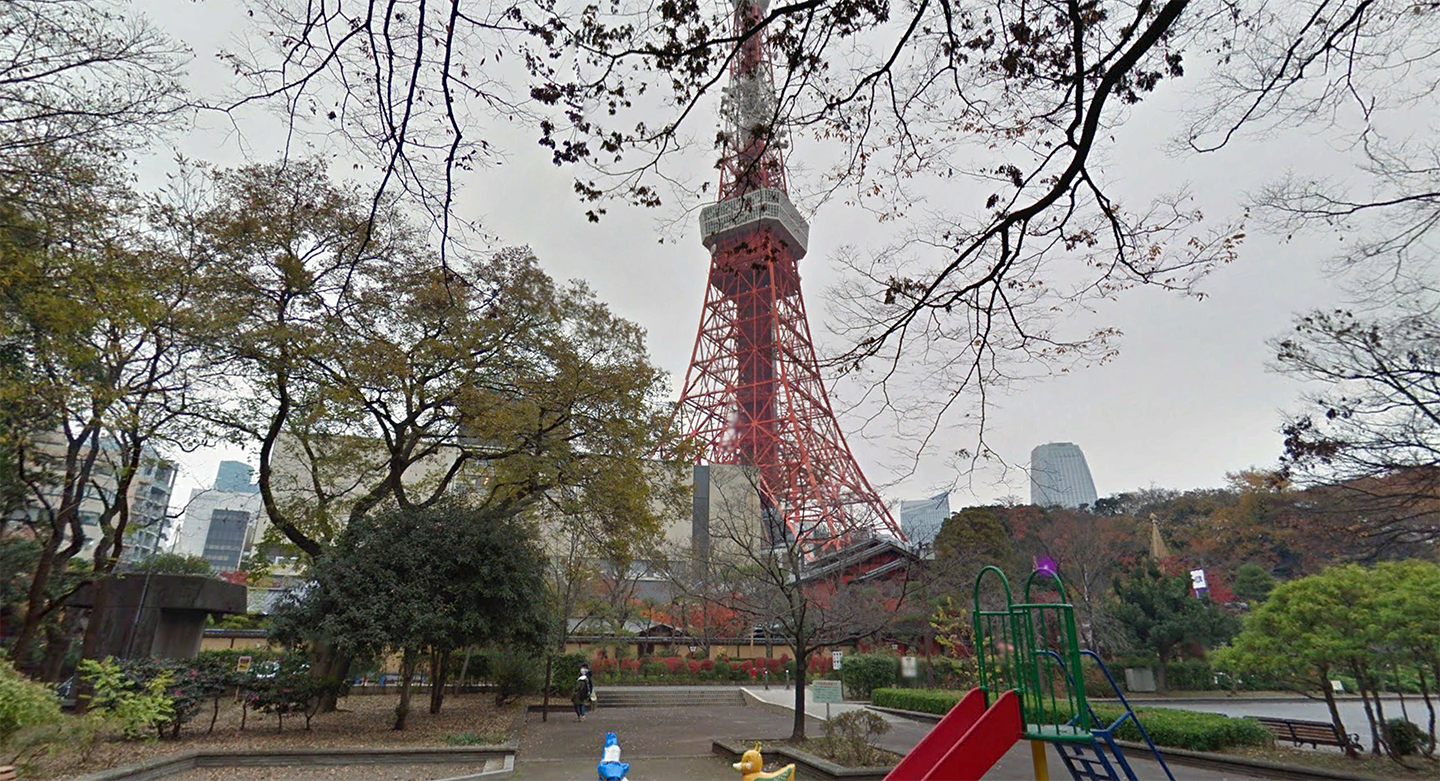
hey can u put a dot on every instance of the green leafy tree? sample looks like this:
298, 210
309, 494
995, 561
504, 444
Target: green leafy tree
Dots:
1307, 631
1364, 623
423, 580
1253, 583
1162, 616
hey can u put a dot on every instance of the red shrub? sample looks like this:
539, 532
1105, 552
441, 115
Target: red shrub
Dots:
707, 665
672, 663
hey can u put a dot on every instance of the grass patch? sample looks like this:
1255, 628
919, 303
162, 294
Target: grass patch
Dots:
472, 738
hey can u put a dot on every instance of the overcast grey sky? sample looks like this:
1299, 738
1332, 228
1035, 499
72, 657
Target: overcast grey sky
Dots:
1187, 400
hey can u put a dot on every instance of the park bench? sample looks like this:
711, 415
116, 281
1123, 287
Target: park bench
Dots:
1299, 732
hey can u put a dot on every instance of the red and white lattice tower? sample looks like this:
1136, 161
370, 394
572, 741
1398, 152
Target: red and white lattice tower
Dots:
753, 394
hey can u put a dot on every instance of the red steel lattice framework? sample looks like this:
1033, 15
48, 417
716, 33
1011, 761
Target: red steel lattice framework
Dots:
753, 394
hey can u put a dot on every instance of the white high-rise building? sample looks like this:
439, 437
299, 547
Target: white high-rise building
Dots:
148, 495
222, 524
1059, 477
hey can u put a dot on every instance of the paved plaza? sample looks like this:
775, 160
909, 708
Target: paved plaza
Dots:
673, 744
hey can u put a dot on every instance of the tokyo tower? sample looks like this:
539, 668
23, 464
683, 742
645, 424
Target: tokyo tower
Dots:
753, 394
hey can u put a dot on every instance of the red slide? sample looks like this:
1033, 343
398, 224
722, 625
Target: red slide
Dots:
966, 743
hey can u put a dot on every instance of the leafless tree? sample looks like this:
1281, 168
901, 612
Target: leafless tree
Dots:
1370, 437
805, 600
82, 79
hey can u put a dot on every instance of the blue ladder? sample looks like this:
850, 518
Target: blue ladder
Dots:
1100, 758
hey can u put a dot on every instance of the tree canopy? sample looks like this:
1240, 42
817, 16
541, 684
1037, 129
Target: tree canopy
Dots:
1162, 615
430, 579
1351, 621
370, 373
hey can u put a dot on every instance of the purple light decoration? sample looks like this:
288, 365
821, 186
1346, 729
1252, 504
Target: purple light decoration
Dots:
1047, 565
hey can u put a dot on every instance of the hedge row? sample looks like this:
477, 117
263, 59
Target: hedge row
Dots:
1167, 727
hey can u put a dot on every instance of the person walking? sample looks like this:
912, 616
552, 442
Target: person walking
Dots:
584, 690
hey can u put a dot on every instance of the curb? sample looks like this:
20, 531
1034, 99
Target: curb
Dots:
1200, 759
188, 760
754, 701
161, 767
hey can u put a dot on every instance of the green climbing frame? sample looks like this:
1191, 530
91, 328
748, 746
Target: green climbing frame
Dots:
1027, 647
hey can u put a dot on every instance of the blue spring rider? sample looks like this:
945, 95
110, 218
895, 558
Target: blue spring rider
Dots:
610, 767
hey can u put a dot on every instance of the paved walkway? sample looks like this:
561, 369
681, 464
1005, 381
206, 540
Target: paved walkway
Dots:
673, 744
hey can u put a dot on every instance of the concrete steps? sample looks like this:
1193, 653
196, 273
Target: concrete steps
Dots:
664, 697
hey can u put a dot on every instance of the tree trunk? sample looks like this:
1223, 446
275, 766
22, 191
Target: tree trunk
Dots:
1399, 690
439, 666
545, 692
329, 665
19, 651
407, 671
465, 665
1380, 719
1369, 711
1350, 751
1429, 706
802, 663
1164, 653
59, 636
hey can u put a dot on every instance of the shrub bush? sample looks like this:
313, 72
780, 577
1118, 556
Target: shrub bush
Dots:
936, 701
1095, 683
136, 708
1405, 737
1189, 675
649, 669
1190, 729
1175, 728
722, 670
514, 674
564, 671
864, 673
851, 737
24, 704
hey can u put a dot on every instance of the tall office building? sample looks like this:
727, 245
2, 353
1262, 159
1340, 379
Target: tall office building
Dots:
222, 524
921, 519
1059, 476
234, 477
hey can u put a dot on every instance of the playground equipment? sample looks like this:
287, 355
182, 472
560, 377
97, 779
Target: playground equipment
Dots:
752, 765
610, 767
1032, 687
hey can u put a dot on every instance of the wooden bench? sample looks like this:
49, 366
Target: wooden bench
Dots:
1300, 732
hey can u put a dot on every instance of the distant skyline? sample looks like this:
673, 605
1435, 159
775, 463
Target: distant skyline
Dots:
1187, 399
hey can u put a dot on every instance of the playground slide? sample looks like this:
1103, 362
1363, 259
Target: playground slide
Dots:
966, 743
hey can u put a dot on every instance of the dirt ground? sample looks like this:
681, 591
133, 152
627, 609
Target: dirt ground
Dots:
1365, 765
368, 772
363, 720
